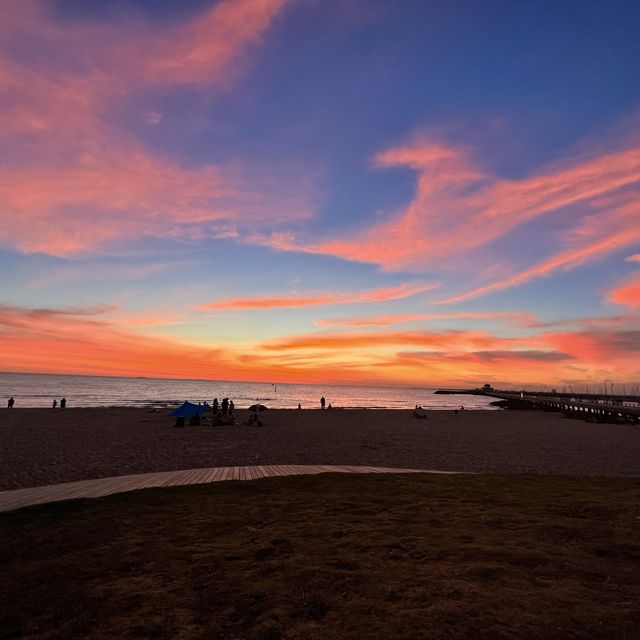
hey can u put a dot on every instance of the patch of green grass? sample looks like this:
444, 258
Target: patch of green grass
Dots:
332, 556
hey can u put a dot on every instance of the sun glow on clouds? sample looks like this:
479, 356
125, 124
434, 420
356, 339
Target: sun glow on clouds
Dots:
627, 293
377, 295
81, 110
458, 209
389, 320
74, 180
59, 339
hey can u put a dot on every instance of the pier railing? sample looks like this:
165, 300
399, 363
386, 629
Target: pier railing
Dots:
608, 407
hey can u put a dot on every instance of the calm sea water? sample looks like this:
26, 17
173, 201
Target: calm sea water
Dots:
39, 390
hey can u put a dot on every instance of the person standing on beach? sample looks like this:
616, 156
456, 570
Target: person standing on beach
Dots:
231, 407
215, 406
54, 404
225, 406
322, 402
10, 403
63, 403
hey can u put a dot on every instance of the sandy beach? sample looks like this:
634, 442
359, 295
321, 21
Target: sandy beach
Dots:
44, 446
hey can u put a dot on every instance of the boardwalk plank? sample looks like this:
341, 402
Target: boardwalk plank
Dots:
17, 498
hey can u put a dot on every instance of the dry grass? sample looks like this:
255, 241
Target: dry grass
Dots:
404, 556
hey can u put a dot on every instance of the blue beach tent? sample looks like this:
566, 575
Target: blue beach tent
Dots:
188, 409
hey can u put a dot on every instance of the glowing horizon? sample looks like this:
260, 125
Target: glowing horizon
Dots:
355, 193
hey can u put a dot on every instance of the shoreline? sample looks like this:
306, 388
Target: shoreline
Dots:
45, 446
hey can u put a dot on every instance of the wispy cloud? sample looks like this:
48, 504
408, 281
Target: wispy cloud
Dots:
440, 340
400, 318
458, 207
312, 300
73, 180
627, 292
610, 241
58, 340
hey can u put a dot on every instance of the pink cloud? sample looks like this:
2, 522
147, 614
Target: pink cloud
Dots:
73, 181
565, 260
627, 292
459, 208
393, 319
206, 50
273, 302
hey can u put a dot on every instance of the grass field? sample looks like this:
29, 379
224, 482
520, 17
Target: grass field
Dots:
397, 556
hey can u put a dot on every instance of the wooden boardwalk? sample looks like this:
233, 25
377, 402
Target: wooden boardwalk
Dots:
18, 498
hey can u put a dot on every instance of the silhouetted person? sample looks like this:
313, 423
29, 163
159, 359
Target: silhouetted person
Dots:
10, 403
63, 403
322, 402
54, 404
299, 406
215, 405
462, 408
455, 412
225, 406
231, 407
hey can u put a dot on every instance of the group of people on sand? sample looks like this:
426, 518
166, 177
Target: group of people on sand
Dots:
63, 403
223, 412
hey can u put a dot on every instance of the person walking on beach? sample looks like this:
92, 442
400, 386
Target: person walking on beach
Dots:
10, 403
322, 402
63, 403
54, 404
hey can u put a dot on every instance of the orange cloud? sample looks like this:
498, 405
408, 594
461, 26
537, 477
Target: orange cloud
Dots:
627, 293
440, 340
95, 341
266, 302
389, 320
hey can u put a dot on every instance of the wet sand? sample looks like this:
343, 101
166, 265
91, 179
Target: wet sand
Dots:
45, 446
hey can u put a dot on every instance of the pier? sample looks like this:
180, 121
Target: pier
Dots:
588, 406
598, 408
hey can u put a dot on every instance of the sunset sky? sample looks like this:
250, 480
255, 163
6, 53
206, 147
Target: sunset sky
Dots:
398, 192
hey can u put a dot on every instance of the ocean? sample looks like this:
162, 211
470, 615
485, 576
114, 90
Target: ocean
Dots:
39, 390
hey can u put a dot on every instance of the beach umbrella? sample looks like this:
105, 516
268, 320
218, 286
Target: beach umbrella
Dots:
258, 407
188, 409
